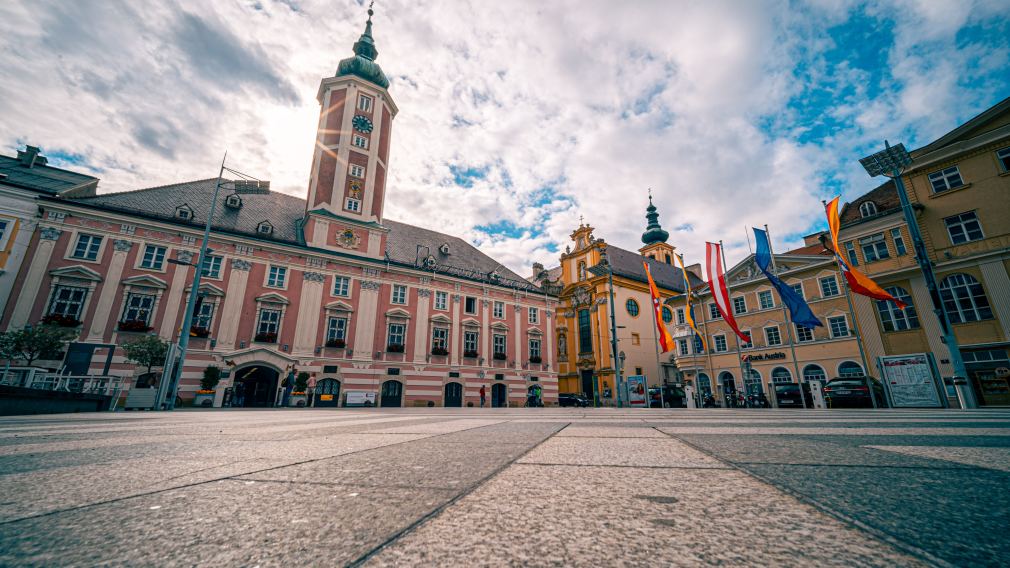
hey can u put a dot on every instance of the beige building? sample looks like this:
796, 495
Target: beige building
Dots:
731, 367
959, 186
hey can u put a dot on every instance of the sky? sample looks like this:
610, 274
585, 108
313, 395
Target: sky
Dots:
516, 118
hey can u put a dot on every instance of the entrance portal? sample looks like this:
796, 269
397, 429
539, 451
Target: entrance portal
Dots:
453, 395
255, 387
391, 394
588, 384
499, 395
327, 393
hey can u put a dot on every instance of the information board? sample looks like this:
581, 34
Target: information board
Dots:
910, 380
360, 398
637, 393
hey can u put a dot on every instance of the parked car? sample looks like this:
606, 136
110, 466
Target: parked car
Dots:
673, 397
852, 392
788, 395
570, 399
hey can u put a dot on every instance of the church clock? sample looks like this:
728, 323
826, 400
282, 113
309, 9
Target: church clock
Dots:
361, 123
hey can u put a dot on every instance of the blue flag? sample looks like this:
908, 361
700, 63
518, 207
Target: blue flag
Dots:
798, 308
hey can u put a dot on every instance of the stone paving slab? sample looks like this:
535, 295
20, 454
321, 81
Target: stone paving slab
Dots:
532, 515
850, 431
627, 431
223, 523
440, 427
989, 458
647, 452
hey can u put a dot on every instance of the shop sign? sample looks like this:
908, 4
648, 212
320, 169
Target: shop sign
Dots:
326, 397
764, 357
910, 380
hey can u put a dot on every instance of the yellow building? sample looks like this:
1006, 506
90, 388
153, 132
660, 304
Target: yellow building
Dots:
583, 322
729, 367
959, 186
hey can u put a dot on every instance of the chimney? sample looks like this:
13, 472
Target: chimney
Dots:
814, 239
696, 270
31, 156
537, 269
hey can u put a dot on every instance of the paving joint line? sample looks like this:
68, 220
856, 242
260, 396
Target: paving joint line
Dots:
625, 466
438, 510
874, 532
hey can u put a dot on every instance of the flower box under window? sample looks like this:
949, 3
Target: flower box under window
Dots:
536, 359
199, 332
61, 320
500, 356
439, 351
472, 354
266, 337
394, 348
336, 343
134, 325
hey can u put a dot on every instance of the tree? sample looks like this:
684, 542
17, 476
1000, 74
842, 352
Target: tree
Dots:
301, 382
147, 351
211, 377
33, 343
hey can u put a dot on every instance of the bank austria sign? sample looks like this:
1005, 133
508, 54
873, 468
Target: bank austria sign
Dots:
763, 357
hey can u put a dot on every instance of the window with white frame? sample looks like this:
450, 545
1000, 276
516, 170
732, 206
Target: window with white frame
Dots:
353, 205
804, 333
336, 329
681, 319
470, 305
341, 286
138, 308
899, 242
868, 209
499, 310
773, 336
534, 349
204, 316
154, 257
441, 300
699, 347
814, 373
499, 342
395, 334
265, 228
470, 343
87, 247
67, 301
964, 299
765, 299
720, 343
534, 315
439, 339
829, 286
781, 375
963, 228
893, 318
399, 294
365, 103
945, 179
850, 252
1003, 157
356, 171
268, 325
798, 288
277, 276
874, 247
739, 305
850, 369
360, 141
682, 348
212, 266
750, 339
839, 326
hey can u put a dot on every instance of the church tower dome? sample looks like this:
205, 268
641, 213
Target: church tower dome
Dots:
363, 63
653, 232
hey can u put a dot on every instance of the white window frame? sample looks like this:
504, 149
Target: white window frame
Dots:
356, 171
90, 249
762, 294
773, 339
867, 209
749, 344
681, 316
534, 315
277, 276
400, 331
341, 286
364, 103
498, 310
212, 266
844, 321
832, 288
352, 205
720, 344
336, 328
152, 257
798, 288
713, 311
804, 334
205, 313
55, 299
951, 285
440, 337
893, 317
535, 347
271, 324
945, 179
960, 221
850, 251
359, 141
467, 300
743, 302
1003, 157
499, 338
899, 242
471, 341
441, 300
398, 295
874, 248
143, 304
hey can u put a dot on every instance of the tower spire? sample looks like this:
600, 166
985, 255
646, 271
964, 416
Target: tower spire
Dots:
654, 233
363, 63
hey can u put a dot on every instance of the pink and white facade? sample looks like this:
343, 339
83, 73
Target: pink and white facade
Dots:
325, 285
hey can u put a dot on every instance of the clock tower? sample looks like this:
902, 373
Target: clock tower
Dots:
351, 155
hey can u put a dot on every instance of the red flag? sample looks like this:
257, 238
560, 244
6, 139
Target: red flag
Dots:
665, 340
717, 284
858, 282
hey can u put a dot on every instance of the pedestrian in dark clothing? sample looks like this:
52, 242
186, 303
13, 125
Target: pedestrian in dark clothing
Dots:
482, 395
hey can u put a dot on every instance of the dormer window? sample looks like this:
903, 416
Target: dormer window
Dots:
233, 201
265, 228
868, 209
444, 248
184, 212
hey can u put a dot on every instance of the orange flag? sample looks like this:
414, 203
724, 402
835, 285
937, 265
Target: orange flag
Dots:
665, 340
858, 282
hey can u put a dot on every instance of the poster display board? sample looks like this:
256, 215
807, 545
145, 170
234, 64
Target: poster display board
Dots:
637, 391
360, 398
910, 380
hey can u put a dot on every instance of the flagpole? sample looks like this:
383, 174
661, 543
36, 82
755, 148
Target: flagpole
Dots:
739, 357
659, 366
708, 350
789, 329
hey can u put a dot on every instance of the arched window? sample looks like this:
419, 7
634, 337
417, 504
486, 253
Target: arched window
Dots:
632, 306
781, 375
850, 369
894, 318
868, 209
704, 384
753, 382
964, 299
814, 373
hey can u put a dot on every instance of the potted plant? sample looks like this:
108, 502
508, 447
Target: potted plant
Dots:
338, 343
439, 351
61, 320
205, 396
298, 396
535, 359
500, 356
470, 353
266, 337
394, 348
137, 326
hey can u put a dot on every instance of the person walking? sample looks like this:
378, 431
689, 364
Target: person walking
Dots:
483, 394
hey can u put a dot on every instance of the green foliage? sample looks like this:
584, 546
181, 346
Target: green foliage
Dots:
148, 351
302, 382
211, 377
33, 343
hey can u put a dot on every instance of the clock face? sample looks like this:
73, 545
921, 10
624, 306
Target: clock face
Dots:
361, 123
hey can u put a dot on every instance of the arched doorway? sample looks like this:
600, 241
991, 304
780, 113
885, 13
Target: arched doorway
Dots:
255, 387
704, 384
499, 395
453, 395
728, 382
392, 393
752, 382
327, 393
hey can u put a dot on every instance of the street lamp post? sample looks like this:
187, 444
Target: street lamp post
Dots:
891, 162
605, 260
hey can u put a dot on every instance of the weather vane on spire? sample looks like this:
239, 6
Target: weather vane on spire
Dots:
370, 12
650, 194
